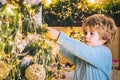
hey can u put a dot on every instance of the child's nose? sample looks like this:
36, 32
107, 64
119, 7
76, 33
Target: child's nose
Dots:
86, 36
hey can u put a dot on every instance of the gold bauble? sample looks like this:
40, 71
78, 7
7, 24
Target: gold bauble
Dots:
35, 72
4, 70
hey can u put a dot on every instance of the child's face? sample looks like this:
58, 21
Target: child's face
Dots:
92, 38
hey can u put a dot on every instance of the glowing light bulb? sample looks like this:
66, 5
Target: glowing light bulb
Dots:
48, 2
92, 1
9, 9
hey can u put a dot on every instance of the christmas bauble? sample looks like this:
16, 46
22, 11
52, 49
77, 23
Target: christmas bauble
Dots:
4, 70
35, 72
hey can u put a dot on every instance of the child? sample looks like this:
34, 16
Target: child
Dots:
92, 58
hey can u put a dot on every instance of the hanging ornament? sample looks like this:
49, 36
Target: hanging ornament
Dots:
4, 70
19, 45
26, 61
35, 72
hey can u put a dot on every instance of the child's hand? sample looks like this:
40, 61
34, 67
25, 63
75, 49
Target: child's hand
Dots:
52, 33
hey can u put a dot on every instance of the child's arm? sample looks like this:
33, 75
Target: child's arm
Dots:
99, 56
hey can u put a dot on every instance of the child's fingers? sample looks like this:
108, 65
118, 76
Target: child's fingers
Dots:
48, 32
48, 28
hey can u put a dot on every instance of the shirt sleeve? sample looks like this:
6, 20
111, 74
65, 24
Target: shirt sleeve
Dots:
67, 54
99, 56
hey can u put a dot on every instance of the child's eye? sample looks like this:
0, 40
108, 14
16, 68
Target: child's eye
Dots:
92, 33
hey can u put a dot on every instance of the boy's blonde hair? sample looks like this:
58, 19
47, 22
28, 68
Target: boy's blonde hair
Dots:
104, 25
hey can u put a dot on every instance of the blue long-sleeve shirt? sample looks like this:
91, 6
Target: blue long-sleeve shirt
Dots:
92, 63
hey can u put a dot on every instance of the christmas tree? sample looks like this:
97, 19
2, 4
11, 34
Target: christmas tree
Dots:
25, 52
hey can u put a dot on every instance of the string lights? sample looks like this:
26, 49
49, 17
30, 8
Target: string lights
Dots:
67, 13
23, 43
